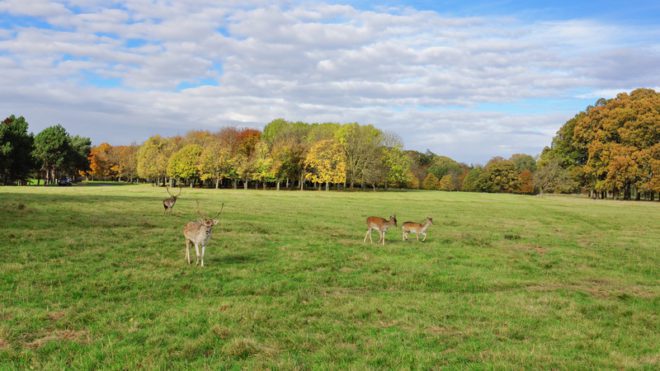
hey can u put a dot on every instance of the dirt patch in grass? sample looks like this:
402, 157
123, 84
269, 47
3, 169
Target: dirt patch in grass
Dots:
245, 347
56, 316
60, 335
532, 247
599, 289
3, 344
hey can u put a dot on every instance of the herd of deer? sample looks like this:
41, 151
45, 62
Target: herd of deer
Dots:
198, 232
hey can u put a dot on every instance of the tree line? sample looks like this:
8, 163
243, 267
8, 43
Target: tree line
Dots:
298, 155
51, 154
611, 149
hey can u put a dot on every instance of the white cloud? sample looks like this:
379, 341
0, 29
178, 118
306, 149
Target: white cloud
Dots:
419, 74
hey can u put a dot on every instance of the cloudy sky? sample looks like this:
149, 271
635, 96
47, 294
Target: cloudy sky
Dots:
466, 79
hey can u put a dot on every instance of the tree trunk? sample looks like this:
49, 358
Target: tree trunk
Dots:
234, 183
217, 183
302, 182
264, 185
245, 185
327, 186
278, 185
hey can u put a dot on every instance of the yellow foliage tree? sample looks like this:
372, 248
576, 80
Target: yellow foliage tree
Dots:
326, 163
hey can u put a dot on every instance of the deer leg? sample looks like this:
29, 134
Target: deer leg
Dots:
382, 237
368, 235
404, 235
197, 253
188, 250
424, 239
417, 235
203, 249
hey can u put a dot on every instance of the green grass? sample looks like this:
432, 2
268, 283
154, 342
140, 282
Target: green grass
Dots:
95, 277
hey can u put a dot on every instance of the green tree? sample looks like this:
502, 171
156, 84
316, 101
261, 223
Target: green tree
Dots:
52, 148
523, 162
153, 158
471, 182
16, 146
398, 167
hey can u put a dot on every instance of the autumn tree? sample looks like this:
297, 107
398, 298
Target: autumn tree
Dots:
101, 162
216, 162
430, 182
325, 163
184, 163
153, 158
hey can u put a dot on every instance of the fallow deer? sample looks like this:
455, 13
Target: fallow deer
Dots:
381, 225
198, 233
168, 203
416, 228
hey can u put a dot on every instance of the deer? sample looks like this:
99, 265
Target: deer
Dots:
198, 233
168, 203
381, 225
416, 228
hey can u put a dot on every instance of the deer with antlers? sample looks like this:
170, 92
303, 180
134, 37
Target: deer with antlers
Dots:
416, 228
379, 224
168, 203
198, 233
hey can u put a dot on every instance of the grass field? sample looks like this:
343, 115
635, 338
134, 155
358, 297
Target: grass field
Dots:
95, 277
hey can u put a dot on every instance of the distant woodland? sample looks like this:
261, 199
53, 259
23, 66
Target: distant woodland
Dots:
610, 150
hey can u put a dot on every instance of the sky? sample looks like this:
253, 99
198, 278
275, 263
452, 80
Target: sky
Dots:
466, 79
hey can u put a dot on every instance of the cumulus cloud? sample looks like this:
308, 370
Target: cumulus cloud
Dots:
140, 67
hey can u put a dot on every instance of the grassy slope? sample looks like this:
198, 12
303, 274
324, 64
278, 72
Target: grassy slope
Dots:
95, 277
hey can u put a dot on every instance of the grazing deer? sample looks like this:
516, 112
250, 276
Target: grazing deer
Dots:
416, 228
168, 203
379, 224
199, 233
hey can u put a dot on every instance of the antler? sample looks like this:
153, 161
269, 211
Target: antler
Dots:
167, 188
219, 212
179, 191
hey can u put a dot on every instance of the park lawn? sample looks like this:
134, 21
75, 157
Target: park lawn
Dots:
95, 277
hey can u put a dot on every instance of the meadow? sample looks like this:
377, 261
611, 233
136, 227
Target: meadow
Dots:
95, 277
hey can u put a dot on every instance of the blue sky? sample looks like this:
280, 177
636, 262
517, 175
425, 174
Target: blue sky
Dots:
470, 80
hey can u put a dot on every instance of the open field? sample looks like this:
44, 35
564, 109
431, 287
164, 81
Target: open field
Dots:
95, 277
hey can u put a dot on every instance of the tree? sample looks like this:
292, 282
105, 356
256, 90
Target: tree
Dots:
447, 183
101, 163
526, 181
77, 159
184, 163
51, 148
523, 162
551, 177
124, 159
325, 163
471, 180
430, 182
153, 158
499, 176
215, 162
263, 164
398, 167
362, 150
16, 146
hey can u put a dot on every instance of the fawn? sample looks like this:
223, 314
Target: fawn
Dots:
416, 228
379, 224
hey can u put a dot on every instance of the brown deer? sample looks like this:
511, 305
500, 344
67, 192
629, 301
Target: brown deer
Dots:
168, 203
416, 228
379, 224
198, 233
